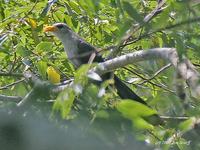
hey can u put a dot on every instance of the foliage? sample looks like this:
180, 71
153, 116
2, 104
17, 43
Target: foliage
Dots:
103, 23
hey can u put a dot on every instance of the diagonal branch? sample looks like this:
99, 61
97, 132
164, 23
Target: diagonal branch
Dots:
11, 84
6, 98
134, 28
184, 68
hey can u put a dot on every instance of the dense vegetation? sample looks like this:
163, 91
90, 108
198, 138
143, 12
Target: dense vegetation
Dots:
59, 107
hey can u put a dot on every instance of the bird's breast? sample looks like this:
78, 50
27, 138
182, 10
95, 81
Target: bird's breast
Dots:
72, 53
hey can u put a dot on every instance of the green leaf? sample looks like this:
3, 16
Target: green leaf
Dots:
64, 102
2, 56
124, 28
42, 68
180, 45
132, 12
140, 123
90, 94
102, 114
22, 51
44, 46
132, 108
87, 6
81, 74
135, 111
68, 19
75, 6
187, 124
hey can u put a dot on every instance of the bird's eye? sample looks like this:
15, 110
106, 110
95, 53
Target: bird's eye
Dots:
59, 26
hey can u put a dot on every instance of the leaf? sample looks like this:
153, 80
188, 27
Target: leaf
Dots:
140, 123
132, 12
44, 46
22, 51
135, 111
87, 6
180, 45
90, 95
132, 108
75, 6
32, 22
47, 8
42, 67
64, 102
102, 114
2, 56
187, 124
81, 74
53, 75
68, 20
23, 37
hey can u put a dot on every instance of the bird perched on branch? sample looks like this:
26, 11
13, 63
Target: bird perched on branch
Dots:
79, 52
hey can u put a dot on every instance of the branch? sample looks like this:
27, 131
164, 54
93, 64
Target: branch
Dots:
181, 118
40, 90
142, 55
10, 98
146, 35
126, 38
157, 73
14, 83
184, 68
147, 80
11, 74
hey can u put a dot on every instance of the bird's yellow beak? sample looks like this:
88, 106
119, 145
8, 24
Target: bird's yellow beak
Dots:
50, 29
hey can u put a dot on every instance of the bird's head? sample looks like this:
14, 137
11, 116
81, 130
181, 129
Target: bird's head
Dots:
61, 30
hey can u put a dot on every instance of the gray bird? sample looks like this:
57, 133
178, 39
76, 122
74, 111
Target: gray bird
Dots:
79, 52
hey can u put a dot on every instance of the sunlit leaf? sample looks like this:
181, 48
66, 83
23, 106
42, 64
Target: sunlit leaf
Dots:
187, 124
64, 102
22, 51
132, 12
75, 6
44, 46
32, 22
135, 111
81, 74
42, 68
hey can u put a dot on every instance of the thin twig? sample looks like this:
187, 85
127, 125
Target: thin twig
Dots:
157, 73
134, 29
10, 98
9, 85
31, 10
160, 86
14, 62
189, 21
11, 74
174, 118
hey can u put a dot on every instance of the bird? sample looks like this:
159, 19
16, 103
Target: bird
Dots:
79, 52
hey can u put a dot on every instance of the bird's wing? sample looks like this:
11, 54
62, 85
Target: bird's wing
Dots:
86, 50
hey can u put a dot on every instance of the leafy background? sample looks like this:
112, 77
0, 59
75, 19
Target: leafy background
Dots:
103, 23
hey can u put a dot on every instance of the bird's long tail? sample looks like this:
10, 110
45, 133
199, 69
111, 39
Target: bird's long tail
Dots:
125, 92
